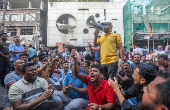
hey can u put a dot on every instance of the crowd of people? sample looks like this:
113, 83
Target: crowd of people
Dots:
104, 77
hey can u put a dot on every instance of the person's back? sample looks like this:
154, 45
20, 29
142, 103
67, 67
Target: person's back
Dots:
31, 51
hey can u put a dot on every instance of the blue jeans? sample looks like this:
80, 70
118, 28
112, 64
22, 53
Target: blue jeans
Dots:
70, 104
132, 101
4, 69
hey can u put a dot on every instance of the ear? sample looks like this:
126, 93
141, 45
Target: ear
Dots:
161, 107
142, 81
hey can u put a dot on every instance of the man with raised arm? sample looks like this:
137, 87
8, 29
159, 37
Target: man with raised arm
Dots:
101, 95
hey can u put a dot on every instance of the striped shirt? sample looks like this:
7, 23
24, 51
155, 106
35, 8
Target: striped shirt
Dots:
27, 91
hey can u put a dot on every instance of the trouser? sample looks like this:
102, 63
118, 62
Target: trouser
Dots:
4, 69
70, 104
57, 105
110, 70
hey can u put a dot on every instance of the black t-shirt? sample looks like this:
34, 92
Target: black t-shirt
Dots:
127, 84
4, 48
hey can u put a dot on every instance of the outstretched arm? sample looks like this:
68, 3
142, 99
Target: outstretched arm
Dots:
76, 67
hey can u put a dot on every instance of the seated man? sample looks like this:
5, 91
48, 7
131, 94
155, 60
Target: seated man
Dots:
59, 74
125, 76
35, 60
156, 95
10, 79
142, 76
101, 95
74, 92
31, 92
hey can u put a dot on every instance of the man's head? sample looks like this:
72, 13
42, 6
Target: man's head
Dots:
143, 58
163, 62
86, 63
72, 65
16, 40
4, 37
18, 63
35, 59
157, 95
144, 74
124, 48
66, 65
91, 63
126, 66
29, 71
66, 49
96, 62
136, 58
30, 46
107, 27
96, 73
125, 57
24, 56
160, 47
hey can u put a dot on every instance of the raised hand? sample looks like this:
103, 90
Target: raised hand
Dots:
96, 32
73, 54
113, 84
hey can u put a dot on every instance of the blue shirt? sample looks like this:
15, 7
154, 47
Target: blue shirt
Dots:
9, 78
77, 83
31, 52
14, 47
63, 75
97, 54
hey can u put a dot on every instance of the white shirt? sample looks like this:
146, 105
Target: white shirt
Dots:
139, 51
158, 52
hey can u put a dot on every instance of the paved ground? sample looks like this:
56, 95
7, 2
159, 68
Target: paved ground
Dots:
2, 92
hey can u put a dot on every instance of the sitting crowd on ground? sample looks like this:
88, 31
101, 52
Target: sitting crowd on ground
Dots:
72, 80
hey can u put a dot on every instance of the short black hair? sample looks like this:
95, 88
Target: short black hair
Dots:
126, 62
34, 56
65, 62
163, 73
126, 56
163, 56
23, 54
137, 54
30, 45
44, 60
155, 66
30, 58
88, 63
143, 55
163, 93
98, 66
147, 72
26, 65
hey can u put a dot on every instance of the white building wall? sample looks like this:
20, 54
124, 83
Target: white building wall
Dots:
114, 10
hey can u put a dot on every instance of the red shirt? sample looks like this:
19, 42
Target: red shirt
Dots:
101, 95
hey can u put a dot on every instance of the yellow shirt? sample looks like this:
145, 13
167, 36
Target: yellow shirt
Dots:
108, 47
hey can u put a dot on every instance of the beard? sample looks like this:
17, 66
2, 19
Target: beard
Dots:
147, 107
4, 39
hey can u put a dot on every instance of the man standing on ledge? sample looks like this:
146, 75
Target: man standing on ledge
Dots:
108, 50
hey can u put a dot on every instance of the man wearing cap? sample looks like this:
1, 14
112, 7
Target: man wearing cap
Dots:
108, 50
4, 57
